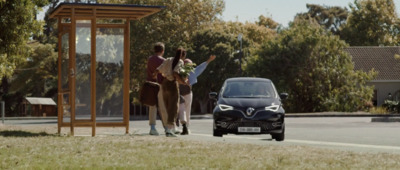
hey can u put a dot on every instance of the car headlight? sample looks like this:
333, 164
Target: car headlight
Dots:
225, 107
273, 107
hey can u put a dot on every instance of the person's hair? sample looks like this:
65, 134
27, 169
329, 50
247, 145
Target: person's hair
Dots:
159, 47
179, 53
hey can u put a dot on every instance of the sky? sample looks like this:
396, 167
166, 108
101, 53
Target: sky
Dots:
281, 11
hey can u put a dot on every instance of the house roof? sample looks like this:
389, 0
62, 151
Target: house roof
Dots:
133, 12
40, 101
380, 58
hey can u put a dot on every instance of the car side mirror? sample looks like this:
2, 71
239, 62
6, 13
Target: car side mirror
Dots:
213, 95
283, 96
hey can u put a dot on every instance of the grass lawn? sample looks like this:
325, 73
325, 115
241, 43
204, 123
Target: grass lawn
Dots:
40, 148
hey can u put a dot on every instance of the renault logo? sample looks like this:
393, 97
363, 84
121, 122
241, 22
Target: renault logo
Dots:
249, 111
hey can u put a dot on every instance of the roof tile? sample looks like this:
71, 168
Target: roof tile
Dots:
380, 58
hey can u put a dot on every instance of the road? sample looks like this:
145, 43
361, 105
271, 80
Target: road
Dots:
345, 133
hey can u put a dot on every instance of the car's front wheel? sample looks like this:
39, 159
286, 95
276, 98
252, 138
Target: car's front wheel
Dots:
279, 136
217, 133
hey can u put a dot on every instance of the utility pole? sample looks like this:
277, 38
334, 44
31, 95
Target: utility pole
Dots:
2, 111
240, 36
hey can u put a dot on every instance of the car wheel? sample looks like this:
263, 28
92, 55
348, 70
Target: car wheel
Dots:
217, 133
279, 136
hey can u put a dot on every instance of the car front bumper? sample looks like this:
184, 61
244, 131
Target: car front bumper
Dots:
267, 122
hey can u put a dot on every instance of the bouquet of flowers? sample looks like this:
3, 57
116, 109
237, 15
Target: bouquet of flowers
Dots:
186, 69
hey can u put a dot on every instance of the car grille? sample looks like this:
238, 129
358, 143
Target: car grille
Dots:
264, 125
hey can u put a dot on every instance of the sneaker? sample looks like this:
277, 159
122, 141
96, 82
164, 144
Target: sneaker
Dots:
176, 131
153, 132
169, 134
185, 131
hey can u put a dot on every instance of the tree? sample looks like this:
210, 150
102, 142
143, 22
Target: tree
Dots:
254, 35
267, 22
311, 65
35, 76
331, 18
222, 44
372, 23
17, 24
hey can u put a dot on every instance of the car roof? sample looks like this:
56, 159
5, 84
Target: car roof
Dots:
247, 79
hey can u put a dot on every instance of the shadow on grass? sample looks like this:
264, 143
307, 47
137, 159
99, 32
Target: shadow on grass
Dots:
19, 133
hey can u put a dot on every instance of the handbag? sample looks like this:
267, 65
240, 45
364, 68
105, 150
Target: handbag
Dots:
148, 94
184, 89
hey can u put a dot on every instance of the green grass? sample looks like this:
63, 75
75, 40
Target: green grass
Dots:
378, 110
48, 151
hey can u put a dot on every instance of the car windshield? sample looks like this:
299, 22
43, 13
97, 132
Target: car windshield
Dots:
248, 89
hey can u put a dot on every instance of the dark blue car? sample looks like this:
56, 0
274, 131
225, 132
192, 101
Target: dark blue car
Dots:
247, 105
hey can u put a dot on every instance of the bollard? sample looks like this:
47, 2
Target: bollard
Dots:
2, 111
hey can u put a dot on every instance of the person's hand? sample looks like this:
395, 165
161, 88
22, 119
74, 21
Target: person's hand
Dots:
212, 57
187, 80
155, 75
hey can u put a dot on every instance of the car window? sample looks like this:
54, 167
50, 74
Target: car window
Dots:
248, 89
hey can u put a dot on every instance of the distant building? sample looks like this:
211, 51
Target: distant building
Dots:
38, 106
382, 59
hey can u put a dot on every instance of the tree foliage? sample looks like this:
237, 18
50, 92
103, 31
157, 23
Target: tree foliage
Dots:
267, 22
311, 65
17, 24
331, 18
221, 44
253, 36
36, 76
372, 23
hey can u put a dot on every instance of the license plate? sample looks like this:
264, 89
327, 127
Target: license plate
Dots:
249, 129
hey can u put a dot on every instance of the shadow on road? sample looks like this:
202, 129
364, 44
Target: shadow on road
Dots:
19, 133
267, 139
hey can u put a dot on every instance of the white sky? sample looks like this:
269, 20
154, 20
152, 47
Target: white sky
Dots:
281, 11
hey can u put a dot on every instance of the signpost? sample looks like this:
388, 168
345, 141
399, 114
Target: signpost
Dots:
240, 53
2, 111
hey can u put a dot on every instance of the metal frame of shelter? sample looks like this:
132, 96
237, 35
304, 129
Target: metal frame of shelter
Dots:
82, 58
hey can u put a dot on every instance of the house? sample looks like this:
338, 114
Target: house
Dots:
382, 59
39, 106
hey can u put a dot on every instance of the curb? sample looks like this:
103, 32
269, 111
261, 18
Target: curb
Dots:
342, 115
210, 116
385, 119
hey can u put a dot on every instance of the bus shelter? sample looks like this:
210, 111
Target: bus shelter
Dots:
93, 63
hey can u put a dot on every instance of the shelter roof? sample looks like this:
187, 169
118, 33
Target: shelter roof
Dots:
382, 59
133, 12
40, 101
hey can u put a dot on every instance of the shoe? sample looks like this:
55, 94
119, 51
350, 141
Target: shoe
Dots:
176, 131
154, 132
169, 134
185, 130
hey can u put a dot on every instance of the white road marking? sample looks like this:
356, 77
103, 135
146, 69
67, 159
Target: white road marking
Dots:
344, 144
317, 142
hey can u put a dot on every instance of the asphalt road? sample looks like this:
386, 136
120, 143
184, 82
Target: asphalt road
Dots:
345, 133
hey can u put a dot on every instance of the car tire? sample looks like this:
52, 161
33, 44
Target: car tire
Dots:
217, 133
279, 136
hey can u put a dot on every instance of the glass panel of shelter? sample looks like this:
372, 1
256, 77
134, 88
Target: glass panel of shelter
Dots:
82, 69
109, 74
65, 90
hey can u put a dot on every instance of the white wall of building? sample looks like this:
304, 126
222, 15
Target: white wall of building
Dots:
384, 88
